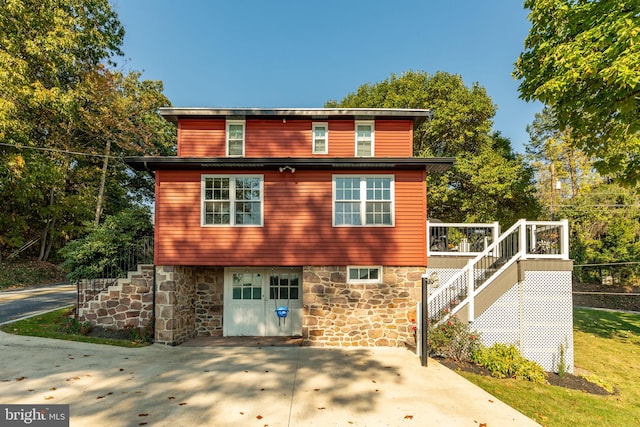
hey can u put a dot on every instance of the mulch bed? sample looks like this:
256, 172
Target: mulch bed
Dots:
570, 381
100, 332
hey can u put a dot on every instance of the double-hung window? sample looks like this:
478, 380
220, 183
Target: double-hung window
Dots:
364, 138
235, 200
320, 138
235, 138
363, 200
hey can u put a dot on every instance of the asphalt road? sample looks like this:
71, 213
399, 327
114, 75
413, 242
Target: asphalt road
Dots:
20, 303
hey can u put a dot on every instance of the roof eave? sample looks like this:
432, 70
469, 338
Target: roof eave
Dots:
431, 164
173, 114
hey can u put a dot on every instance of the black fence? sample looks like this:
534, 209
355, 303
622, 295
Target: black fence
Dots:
608, 274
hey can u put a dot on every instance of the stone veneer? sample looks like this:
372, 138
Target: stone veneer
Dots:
188, 303
127, 303
337, 313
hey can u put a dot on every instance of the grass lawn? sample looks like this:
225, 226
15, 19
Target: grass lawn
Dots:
606, 351
51, 325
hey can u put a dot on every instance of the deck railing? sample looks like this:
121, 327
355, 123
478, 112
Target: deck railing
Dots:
524, 240
460, 238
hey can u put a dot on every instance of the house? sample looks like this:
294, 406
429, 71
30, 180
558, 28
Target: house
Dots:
312, 223
285, 222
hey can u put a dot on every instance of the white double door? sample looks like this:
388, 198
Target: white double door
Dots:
251, 296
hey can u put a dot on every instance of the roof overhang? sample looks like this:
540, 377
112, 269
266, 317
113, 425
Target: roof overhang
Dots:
417, 115
151, 163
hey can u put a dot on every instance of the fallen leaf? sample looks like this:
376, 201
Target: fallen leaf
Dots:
259, 417
121, 369
21, 378
109, 394
490, 400
171, 397
99, 397
316, 389
322, 407
241, 413
408, 417
48, 398
483, 424
143, 415
142, 424
373, 381
52, 389
182, 403
261, 389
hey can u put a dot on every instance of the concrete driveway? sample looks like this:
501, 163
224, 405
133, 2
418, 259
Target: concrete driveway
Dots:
242, 386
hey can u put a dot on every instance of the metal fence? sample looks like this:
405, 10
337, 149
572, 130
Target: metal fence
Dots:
608, 274
106, 272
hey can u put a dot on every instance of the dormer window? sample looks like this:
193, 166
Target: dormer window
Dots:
235, 138
364, 138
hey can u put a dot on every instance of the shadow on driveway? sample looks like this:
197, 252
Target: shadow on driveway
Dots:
242, 386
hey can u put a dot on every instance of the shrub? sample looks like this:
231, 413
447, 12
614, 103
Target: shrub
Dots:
453, 339
140, 335
506, 361
110, 249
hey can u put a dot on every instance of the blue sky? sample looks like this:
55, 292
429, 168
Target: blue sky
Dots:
300, 53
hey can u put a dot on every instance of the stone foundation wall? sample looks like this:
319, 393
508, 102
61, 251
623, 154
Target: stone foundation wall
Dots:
209, 283
337, 313
175, 305
189, 303
128, 303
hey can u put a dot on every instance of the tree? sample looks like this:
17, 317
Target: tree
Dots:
563, 171
582, 58
112, 248
604, 217
488, 181
66, 116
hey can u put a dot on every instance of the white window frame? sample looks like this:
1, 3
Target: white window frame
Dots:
362, 267
315, 125
371, 123
363, 200
232, 200
228, 136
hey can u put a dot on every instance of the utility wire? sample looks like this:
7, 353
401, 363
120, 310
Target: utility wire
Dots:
56, 150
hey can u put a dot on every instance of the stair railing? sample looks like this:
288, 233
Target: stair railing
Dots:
524, 239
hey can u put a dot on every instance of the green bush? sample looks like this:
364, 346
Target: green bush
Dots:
140, 335
453, 339
506, 361
110, 249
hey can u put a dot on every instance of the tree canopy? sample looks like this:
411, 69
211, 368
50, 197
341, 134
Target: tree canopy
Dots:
66, 117
488, 181
582, 58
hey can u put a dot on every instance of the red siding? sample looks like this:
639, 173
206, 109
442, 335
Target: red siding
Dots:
291, 138
201, 138
391, 138
297, 225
